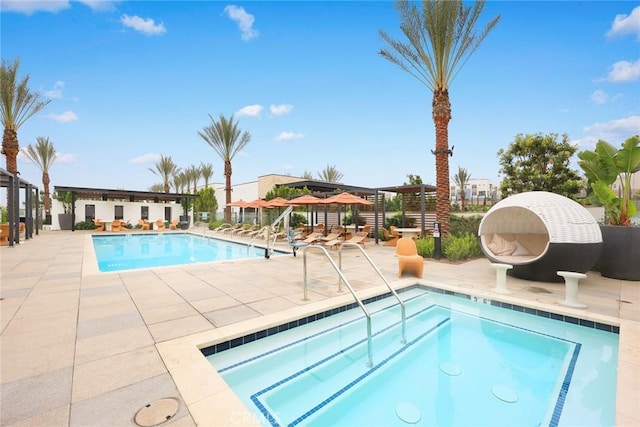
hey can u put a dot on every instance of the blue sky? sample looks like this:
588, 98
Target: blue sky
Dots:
130, 81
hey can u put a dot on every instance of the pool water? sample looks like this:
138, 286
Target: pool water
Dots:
144, 250
464, 363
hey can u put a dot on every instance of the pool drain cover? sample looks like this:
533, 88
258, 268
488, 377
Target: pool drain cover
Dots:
504, 393
157, 412
450, 368
408, 412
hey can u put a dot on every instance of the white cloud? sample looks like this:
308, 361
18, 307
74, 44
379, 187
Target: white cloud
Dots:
624, 71
29, 7
244, 20
280, 110
65, 159
626, 24
66, 117
599, 97
145, 26
145, 158
100, 5
250, 111
613, 131
56, 92
288, 136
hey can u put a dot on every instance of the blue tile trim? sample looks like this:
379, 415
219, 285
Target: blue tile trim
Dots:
557, 410
312, 318
274, 422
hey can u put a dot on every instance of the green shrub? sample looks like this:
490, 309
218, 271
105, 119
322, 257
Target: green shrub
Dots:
297, 219
456, 248
348, 219
397, 221
4, 215
215, 224
461, 225
426, 247
85, 225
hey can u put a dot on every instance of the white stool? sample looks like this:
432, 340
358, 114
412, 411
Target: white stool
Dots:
571, 289
501, 278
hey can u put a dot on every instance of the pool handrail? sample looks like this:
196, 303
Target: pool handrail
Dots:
395, 294
353, 292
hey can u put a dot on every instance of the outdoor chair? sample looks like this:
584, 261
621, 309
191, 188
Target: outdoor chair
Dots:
144, 224
118, 225
408, 258
160, 226
390, 239
173, 225
540, 233
99, 225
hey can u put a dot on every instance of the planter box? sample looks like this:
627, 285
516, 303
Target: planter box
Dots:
65, 221
620, 257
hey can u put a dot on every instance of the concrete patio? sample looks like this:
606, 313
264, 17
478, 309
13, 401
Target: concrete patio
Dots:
83, 348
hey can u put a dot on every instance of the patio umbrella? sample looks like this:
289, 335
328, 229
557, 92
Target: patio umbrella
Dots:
345, 199
257, 204
305, 200
239, 204
278, 202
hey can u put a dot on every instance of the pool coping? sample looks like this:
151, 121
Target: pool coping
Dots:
211, 401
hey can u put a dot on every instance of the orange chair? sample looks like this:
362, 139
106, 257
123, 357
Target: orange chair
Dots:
160, 225
144, 224
391, 239
118, 225
99, 225
408, 258
174, 225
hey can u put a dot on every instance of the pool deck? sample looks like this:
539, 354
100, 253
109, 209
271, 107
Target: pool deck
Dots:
83, 348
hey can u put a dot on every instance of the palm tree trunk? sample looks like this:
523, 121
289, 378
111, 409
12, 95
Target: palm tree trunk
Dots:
10, 149
47, 200
227, 189
441, 116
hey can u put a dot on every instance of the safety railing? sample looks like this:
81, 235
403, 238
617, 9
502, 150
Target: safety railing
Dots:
353, 292
395, 294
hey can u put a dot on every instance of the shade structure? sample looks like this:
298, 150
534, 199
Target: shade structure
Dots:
257, 203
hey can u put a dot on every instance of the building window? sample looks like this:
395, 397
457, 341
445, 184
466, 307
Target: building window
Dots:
144, 212
119, 212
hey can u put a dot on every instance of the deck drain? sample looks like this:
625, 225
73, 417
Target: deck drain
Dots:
504, 393
450, 368
408, 412
157, 412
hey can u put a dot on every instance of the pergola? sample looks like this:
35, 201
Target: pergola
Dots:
13, 184
110, 194
330, 188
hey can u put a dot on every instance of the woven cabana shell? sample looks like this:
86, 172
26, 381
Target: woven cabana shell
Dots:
541, 212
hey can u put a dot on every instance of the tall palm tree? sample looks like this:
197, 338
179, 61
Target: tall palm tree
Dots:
462, 179
17, 104
330, 174
157, 188
165, 168
193, 173
440, 40
306, 175
178, 181
43, 154
206, 170
227, 140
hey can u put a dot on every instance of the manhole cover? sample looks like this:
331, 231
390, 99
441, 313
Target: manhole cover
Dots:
157, 412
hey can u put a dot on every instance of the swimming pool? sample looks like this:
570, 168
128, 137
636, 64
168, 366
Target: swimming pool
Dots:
465, 363
144, 250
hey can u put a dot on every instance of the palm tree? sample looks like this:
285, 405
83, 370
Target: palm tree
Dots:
227, 140
307, 175
178, 181
441, 39
17, 105
330, 174
193, 173
462, 179
165, 168
43, 154
206, 170
157, 188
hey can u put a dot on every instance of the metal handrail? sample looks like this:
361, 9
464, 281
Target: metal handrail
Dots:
395, 294
353, 292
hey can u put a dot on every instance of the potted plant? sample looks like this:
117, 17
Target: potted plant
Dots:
620, 240
65, 219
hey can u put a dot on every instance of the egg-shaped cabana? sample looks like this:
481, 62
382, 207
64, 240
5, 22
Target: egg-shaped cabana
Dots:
540, 233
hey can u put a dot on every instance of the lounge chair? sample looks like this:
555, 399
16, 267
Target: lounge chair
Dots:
408, 258
144, 224
160, 225
390, 238
295, 245
360, 238
99, 225
173, 225
331, 236
118, 225
232, 229
222, 227
248, 230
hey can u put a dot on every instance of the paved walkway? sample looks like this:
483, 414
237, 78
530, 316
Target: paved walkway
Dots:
82, 348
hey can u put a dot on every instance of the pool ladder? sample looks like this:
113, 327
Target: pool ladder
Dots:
342, 279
